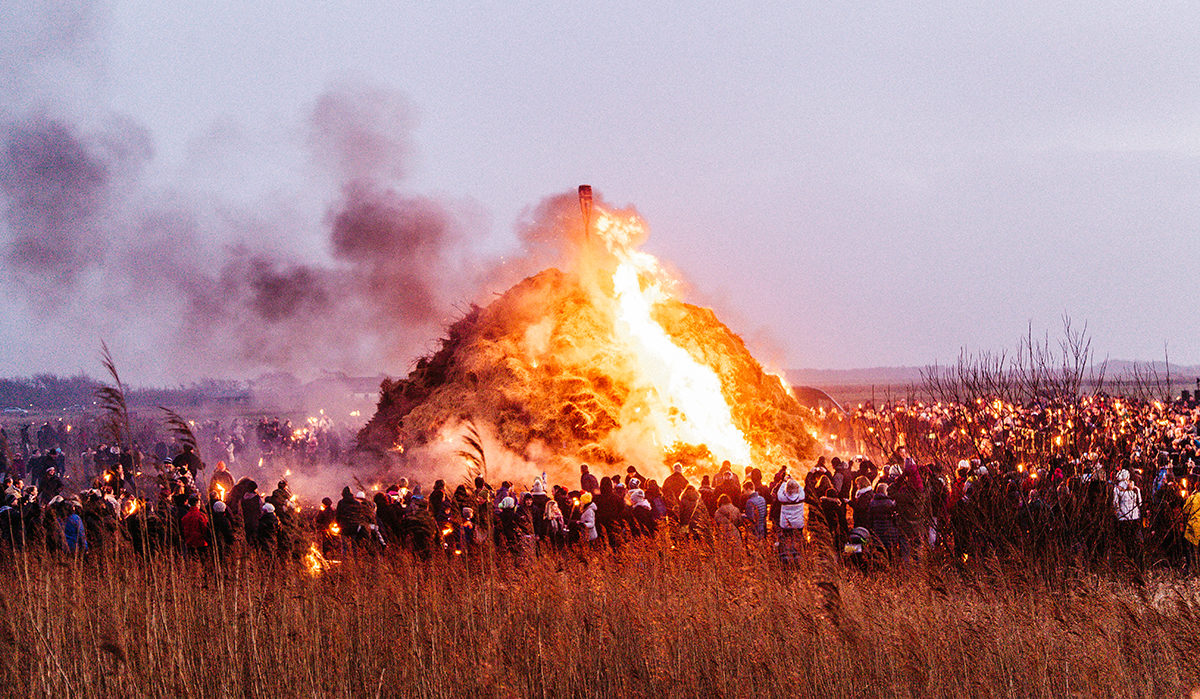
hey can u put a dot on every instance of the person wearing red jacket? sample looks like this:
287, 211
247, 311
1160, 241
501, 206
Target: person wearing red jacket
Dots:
195, 526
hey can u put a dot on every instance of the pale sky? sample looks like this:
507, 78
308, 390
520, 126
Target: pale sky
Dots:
847, 184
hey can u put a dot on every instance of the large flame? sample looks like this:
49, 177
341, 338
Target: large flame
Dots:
675, 399
601, 363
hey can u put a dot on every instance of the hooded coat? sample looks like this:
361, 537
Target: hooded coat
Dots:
883, 520
791, 506
252, 504
195, 529
1127, 501
756, 514
588, 519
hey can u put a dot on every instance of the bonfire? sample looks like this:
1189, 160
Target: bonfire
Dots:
600, 362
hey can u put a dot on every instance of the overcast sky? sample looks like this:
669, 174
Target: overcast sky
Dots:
848, 184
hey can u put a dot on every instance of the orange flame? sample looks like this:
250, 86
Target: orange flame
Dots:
676, 399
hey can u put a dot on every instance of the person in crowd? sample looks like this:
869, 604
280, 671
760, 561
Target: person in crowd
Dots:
587, 518
75, 539
674, 485
194, 526
51, 485
755, 510
727, 520
883, 525
221, 482
694, 520
268, 529
251, 506
833, 513
188, 460
587, 481
790, 497
222, 527
1127, 504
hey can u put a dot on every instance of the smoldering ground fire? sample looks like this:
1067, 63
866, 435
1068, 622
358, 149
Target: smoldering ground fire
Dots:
599, 362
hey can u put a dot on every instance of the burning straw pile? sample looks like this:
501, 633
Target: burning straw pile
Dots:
600, 363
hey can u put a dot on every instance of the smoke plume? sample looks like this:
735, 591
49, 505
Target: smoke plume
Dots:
358, 289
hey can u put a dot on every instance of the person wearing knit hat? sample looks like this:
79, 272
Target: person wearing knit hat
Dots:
222, 526
587, 518
268, 528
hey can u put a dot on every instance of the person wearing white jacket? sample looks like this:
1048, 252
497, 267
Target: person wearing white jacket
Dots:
587, 518
790, 497
1127, 504
1127, 499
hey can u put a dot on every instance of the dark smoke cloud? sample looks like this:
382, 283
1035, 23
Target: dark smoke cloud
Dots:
184, 281
58, 183
396, 247
239, 292
394, 267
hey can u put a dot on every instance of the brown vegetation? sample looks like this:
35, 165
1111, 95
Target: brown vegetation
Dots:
539, 366
646, 621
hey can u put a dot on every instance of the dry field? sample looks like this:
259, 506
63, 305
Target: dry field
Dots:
649, 621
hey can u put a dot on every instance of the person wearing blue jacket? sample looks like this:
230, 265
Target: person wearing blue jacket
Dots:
74, 535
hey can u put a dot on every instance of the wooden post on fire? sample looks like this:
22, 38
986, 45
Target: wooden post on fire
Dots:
585, 206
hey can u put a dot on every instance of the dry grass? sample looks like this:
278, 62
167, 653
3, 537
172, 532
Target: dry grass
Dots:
649, 621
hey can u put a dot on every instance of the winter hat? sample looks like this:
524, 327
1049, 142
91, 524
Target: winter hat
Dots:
585, 499
538, 489
1122, 475
268, 508
360, 495
218, 506
507, 503
677, 468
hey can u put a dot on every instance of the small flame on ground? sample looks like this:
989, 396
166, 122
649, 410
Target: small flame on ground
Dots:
315, 562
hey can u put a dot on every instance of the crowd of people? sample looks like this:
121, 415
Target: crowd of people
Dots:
1104, 479
77, 451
